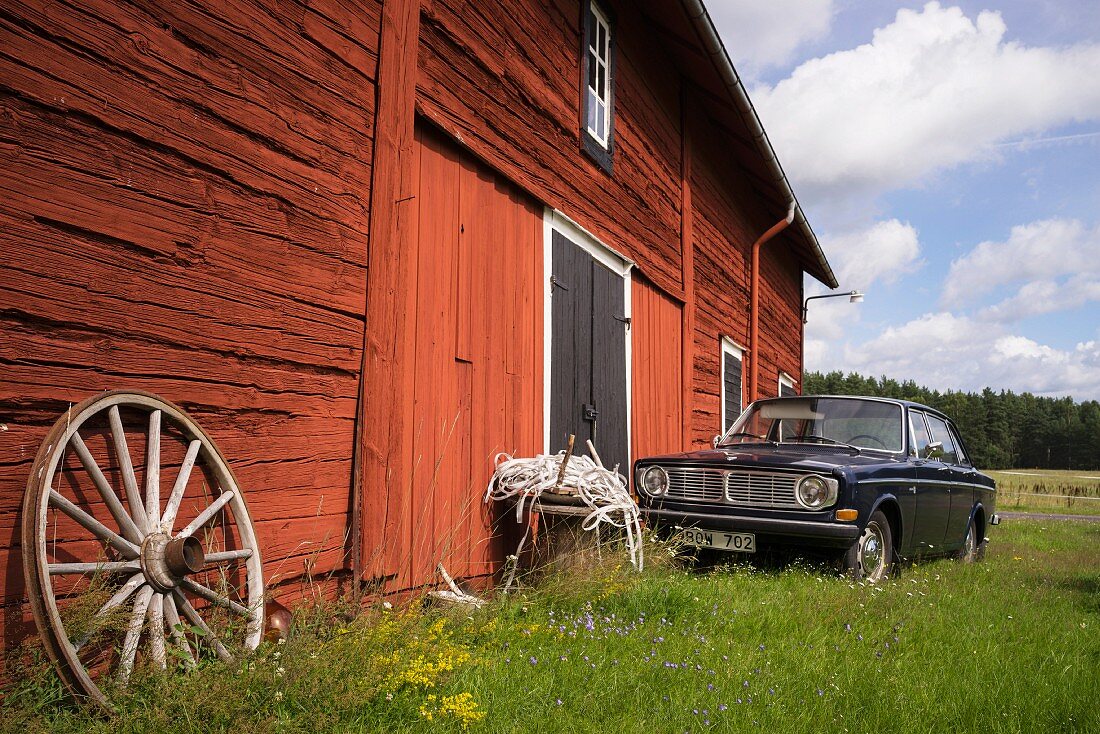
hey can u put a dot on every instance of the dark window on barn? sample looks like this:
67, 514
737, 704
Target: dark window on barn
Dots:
786, 385
731, 383
598, 85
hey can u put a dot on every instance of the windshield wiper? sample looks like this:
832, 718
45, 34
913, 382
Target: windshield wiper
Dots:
758, 437
825, 439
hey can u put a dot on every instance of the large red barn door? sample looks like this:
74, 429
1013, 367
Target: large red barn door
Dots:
656, 383
477, 361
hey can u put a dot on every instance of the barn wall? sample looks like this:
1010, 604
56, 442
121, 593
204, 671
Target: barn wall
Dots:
184, 210
725, 225
506, 85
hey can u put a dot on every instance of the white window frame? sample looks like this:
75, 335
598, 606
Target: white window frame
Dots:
601, 57
732, 349
785, 379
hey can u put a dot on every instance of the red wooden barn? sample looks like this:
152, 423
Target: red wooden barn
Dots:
369, 244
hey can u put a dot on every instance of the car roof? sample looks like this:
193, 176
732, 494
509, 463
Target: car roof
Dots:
895, 401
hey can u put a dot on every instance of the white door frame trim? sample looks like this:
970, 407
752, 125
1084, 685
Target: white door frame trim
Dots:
554, 220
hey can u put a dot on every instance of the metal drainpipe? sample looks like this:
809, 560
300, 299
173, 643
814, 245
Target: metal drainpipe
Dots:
754, 308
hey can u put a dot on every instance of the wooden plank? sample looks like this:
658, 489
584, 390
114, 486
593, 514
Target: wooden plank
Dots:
385, 387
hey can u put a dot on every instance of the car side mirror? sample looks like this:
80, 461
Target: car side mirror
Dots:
934, 450
716, 440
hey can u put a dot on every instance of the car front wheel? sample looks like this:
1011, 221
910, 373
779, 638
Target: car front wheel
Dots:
971, 550
871, 557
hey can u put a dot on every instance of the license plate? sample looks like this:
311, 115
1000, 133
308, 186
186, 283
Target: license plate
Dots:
739, 542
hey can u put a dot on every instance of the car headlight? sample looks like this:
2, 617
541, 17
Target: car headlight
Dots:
654, 481
814, 492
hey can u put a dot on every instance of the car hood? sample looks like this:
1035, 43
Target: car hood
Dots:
810, 458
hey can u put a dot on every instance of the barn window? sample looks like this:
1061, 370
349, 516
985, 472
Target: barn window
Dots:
786, 385
597, 94
732, 357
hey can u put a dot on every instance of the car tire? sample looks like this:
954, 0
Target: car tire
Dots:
972, 548
871, 557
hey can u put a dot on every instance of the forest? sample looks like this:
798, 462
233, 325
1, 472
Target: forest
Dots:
1001, 430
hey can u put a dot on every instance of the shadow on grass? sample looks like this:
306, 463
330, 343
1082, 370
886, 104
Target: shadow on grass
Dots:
1087, 587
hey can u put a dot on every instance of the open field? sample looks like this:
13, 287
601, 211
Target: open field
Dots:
1008, 645
1044, 490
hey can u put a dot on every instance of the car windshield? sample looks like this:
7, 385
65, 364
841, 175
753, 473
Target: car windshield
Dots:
855, 423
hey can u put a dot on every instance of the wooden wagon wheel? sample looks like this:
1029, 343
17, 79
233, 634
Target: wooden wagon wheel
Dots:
122, 575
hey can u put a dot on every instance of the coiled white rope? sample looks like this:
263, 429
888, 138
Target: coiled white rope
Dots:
603, 491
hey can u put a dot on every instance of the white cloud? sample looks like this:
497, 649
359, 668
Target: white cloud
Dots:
1035, 252
761, 34
932, 90
880, 252
947, 351
1045, 296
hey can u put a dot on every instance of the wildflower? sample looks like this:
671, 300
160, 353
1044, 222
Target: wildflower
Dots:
279, 671
820, 692
710, 686
533, 660
722, 707
280, 641
278, 695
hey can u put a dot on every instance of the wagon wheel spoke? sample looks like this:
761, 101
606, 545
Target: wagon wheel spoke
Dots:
133, 634
95, 527
180, 486
156, 631
106, 491
97, 567
152, 471
214, 597
126, 466
194, 618
226, 556
205, 515
175, 627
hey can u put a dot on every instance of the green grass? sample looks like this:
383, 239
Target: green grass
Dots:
1045, 490
1008, 645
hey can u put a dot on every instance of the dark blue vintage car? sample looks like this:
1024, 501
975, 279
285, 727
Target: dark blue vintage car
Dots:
869, 480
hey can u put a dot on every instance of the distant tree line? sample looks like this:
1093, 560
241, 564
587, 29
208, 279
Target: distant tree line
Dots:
1001, 430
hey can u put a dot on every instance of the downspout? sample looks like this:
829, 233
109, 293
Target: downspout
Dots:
754, 307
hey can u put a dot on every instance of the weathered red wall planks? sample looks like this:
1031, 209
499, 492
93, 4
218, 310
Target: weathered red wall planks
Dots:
184, 210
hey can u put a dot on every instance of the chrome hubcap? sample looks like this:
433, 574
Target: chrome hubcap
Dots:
870, 552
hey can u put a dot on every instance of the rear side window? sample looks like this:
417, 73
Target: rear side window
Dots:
941, 433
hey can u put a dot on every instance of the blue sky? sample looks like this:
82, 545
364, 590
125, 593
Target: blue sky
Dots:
948, 156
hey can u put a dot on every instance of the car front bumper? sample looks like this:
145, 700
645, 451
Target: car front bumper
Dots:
802, 532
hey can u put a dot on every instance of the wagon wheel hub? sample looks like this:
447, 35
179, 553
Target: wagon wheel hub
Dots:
166, 561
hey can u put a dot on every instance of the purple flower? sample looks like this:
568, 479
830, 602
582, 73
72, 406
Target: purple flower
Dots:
710, 686
847, 627
722, 707
558, 702
533, 660
820, 692
859, 637
745, 684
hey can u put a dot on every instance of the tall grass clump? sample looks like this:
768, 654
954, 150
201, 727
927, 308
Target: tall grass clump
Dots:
1008, 645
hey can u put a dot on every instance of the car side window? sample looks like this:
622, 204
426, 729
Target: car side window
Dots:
959, 447
921, 440
941, 433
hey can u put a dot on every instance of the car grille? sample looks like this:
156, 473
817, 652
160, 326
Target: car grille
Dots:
732, 487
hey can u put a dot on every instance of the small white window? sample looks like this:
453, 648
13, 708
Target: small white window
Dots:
598, 102
786, 385
731, 384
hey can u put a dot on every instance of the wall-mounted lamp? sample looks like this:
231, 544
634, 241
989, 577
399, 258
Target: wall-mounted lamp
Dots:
852, 296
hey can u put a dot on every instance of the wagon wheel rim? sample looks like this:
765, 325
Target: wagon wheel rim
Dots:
156, 566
